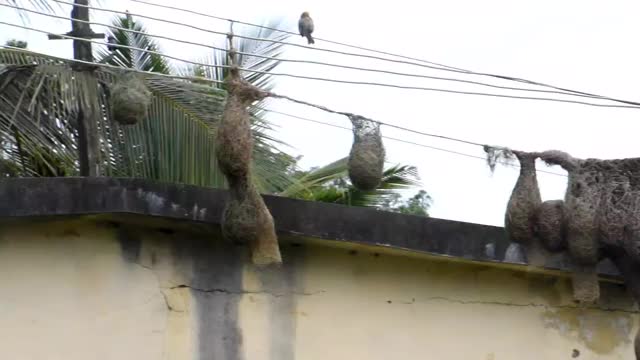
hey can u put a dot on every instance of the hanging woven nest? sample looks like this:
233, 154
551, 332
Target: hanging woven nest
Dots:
246, 218
584, 192
523, 204
234, 140
550, 225
366, 160
129, 99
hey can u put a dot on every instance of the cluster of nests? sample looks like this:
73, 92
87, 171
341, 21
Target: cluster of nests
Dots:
246, 219
598, 218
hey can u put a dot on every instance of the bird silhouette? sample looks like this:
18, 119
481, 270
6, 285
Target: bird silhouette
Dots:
305, 25
112, 41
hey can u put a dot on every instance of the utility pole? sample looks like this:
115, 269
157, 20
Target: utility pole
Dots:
88, 146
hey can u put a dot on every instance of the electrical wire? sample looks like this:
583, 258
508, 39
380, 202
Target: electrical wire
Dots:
300, 61
11, 48
217, 81
124, 69
441, 66
451, 69
406, 141
332, 80
194, 78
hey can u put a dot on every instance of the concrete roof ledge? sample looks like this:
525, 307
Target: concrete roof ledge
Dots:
37, 197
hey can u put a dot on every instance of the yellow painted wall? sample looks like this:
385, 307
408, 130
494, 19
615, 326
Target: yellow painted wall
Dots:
78, 289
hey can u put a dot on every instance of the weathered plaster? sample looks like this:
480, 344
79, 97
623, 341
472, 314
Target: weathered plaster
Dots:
201, 207
104, 290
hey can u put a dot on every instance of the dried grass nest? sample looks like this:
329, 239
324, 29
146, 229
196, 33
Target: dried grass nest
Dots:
129, 99
366, 159
246, 218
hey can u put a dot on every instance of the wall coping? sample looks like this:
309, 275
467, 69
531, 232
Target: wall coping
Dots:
64, 196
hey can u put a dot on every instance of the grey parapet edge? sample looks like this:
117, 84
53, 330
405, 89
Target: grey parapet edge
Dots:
76, 196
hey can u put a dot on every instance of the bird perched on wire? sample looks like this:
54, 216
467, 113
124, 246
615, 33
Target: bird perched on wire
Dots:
112, 41
305, 25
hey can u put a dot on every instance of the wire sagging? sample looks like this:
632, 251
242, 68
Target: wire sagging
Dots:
397, 86
422, 64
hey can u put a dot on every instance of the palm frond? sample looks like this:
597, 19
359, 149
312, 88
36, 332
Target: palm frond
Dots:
317, 177
330, 184
38, 105
129, 58
176, 143
394, 179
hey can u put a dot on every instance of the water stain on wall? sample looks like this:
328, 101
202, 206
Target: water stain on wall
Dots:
600, 331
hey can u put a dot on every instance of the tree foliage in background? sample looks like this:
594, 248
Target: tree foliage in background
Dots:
175, 144
128, 58
418, 204
331, 184
40, 98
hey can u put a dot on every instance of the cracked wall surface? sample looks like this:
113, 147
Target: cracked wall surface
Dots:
78, 289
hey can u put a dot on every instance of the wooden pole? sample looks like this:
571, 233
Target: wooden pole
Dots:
88, 145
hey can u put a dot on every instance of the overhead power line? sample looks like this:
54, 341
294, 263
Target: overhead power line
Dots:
405, 141
195, 78
424, 64
333, 80
442, 67
294, 33
111, 26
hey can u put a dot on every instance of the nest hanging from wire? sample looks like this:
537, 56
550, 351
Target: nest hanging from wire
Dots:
129, 99
234, 141
523, 204
366, 159
573, 223
246, 218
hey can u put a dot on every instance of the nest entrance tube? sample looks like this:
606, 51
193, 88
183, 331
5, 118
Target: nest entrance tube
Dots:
366, 160
246, 218
129, 99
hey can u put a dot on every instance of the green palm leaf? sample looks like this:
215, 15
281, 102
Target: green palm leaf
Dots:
131, 58
330, 184
41, 98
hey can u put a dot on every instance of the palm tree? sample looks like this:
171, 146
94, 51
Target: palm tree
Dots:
330, 184
39, 98
175, 143
129, 58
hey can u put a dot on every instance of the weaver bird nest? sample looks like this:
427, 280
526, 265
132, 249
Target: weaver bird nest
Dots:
366, 160
599, 217
246, 218
129, 99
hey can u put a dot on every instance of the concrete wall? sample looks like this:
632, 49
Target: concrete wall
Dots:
80, 289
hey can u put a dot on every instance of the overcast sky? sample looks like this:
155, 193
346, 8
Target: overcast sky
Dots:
585, 45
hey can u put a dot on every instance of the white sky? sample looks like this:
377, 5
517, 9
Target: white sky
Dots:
584, 45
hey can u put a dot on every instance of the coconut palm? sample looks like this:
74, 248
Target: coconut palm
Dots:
40, 98
128, 58
331, 184
175, 143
